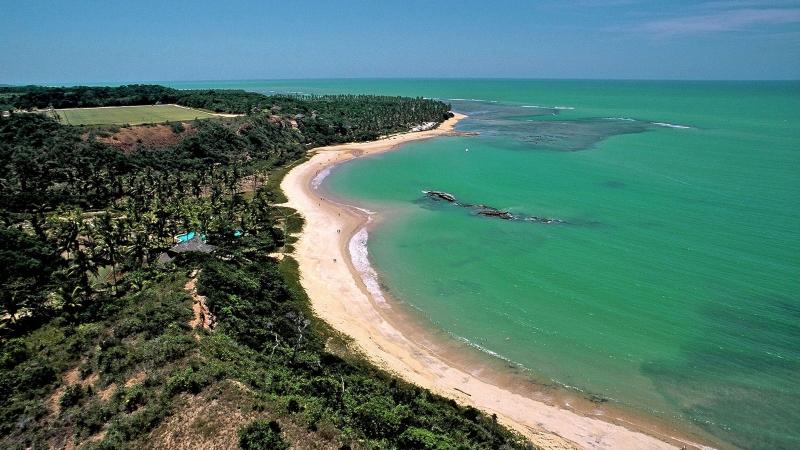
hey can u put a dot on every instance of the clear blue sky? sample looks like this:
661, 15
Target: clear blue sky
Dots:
137, 41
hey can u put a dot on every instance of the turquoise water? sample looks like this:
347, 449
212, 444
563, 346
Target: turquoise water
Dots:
181, 238
184, 237
673, 285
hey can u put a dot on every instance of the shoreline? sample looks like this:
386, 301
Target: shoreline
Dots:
339, 296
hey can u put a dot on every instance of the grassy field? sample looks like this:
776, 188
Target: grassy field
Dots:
132, 115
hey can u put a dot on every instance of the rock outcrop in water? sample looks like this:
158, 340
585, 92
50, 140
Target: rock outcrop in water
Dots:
436, 195
486, 211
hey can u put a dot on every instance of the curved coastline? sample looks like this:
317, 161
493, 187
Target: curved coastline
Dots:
340, 297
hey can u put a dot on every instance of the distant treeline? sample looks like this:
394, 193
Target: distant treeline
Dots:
329, 119
41, 97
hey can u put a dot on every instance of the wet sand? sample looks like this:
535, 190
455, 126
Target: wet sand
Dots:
340, 297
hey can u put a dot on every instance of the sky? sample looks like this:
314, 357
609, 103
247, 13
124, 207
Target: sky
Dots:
84, 41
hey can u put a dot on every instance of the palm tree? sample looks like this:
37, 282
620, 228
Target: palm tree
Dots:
204, 215
67, 232
111, 236
13, 303
81, 265
139, 245
69, 296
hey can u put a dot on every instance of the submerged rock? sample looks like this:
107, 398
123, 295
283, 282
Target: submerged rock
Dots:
483, 210
496, 213
436, 195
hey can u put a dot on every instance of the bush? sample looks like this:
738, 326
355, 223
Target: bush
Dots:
114, 360
167, 348
135, 425
187, 381
177, 127
72, 395
14, 352
262, 434
33, 374
378, 417
419, 439
133, 398
93, 417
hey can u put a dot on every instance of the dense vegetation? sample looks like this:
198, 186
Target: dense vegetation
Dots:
322, 119
41, 97
95, 340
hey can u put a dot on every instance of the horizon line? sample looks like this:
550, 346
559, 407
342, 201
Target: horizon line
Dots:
129, 82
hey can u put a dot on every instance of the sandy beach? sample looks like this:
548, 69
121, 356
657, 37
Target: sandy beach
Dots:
340, 297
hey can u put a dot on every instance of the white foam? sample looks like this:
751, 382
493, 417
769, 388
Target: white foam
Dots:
547, 107
360, 257
365, 211
669, 125
320, 176
484, 349
627, 119
470, 100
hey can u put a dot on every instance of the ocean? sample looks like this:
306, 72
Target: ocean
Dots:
653, 259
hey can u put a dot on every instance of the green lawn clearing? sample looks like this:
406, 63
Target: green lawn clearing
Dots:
132, 115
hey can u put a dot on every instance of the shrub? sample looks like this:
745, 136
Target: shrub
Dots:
419, 439
113, 360
135, 425
187, 381
34, 374
133, 398
378, 417
167, 348
113, 441
92, 417
72, 395
14, 352
262, 434
177, 127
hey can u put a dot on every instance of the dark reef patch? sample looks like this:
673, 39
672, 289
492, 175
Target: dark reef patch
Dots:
538, 129
614, 184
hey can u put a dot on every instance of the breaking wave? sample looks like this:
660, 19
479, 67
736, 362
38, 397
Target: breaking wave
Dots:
670, 125
320, 177
360, 258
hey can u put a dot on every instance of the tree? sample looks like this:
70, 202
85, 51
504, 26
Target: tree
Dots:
81, 265
66, 231
139, 246
111, 237
14, 301
69, 296
27, 264
262, 434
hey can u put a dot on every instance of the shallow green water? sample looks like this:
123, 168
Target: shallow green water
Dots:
673, 286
